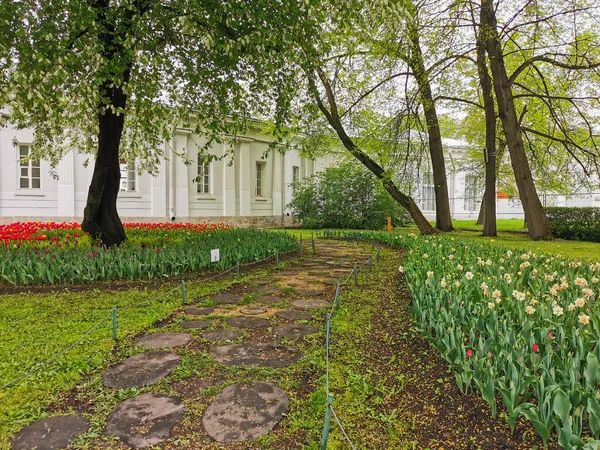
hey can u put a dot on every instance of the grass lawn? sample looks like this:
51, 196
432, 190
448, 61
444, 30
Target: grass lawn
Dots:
35, 327
512, 225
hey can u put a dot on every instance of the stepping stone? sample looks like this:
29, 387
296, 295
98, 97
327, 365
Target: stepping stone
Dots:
198, 311
318, 274
247, 322
260, 281
222, 335
267, 290
50, 433
330, 282
295, 331
287, 274
141, 370
145, 420
245, 411
169, 339
255, 355
227, 299
252, 310
309, 292
310, 303
294, 315
270, 300
195, 324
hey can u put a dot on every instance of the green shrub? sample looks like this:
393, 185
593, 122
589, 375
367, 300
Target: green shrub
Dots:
581, 224
345, 196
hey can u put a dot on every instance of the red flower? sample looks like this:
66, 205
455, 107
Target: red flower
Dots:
469, 353
535, 348
550, 335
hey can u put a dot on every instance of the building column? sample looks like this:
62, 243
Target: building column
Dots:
65, 202
158, 194
277, 190
182, 199
228, 181
245, 176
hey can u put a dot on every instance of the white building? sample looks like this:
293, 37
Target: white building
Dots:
244, 187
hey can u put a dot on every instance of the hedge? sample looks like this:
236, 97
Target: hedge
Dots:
581, 224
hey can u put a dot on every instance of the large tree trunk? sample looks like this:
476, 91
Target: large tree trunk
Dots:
534, 211
443, 219
489, 197
100, 216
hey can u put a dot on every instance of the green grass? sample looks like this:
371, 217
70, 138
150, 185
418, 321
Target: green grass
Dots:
512, 225
36, 327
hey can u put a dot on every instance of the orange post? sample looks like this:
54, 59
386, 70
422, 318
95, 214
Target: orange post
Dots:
389, 224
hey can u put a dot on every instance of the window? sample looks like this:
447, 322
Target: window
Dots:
428, 192
295, 177
471, 194
29, 171
260, 169
128, 176
203, 178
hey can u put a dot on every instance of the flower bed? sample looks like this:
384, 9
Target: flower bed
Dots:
46, 253
519, 327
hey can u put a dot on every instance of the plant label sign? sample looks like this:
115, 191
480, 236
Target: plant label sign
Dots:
215, 255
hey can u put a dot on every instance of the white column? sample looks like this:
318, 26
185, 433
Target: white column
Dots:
66, 186
245, 176
276, 177
228, 181
158, 193
182, 199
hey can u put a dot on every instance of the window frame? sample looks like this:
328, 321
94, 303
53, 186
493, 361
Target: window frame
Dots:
203, 178
471, 194
131, 177
428, 192
259, 175
29, 167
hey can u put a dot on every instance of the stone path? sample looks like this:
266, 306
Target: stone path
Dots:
258, 315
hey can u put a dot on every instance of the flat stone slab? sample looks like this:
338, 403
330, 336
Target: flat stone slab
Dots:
260, 281
295, 331
198, 311
141, 370
255, 355
316, 273
309, 292
222, 335
145, 420
168, 339
287, 273
267, 290
270, 300
330, 282
50, 433
195, 324
247, 322
245, 411
294, 315
253, 310
310, 303
227, 299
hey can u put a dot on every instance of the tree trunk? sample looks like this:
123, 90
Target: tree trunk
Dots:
443, 219
481, 215
489, 197
100, 217
534, 211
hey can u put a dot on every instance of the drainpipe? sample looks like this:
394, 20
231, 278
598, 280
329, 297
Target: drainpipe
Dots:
171, 177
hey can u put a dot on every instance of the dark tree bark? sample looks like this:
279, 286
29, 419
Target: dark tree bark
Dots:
489, 197
333, 118
100, 216
443, 219
534, 211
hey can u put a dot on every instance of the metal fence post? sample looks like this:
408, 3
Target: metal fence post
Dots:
327, 422
114, 322
183, 291
276, 257
355, 270
313, 242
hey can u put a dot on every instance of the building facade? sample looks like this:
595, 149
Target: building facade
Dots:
248, 183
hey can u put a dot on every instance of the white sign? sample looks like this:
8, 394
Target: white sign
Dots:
215, 255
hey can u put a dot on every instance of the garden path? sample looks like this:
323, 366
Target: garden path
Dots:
258, 324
